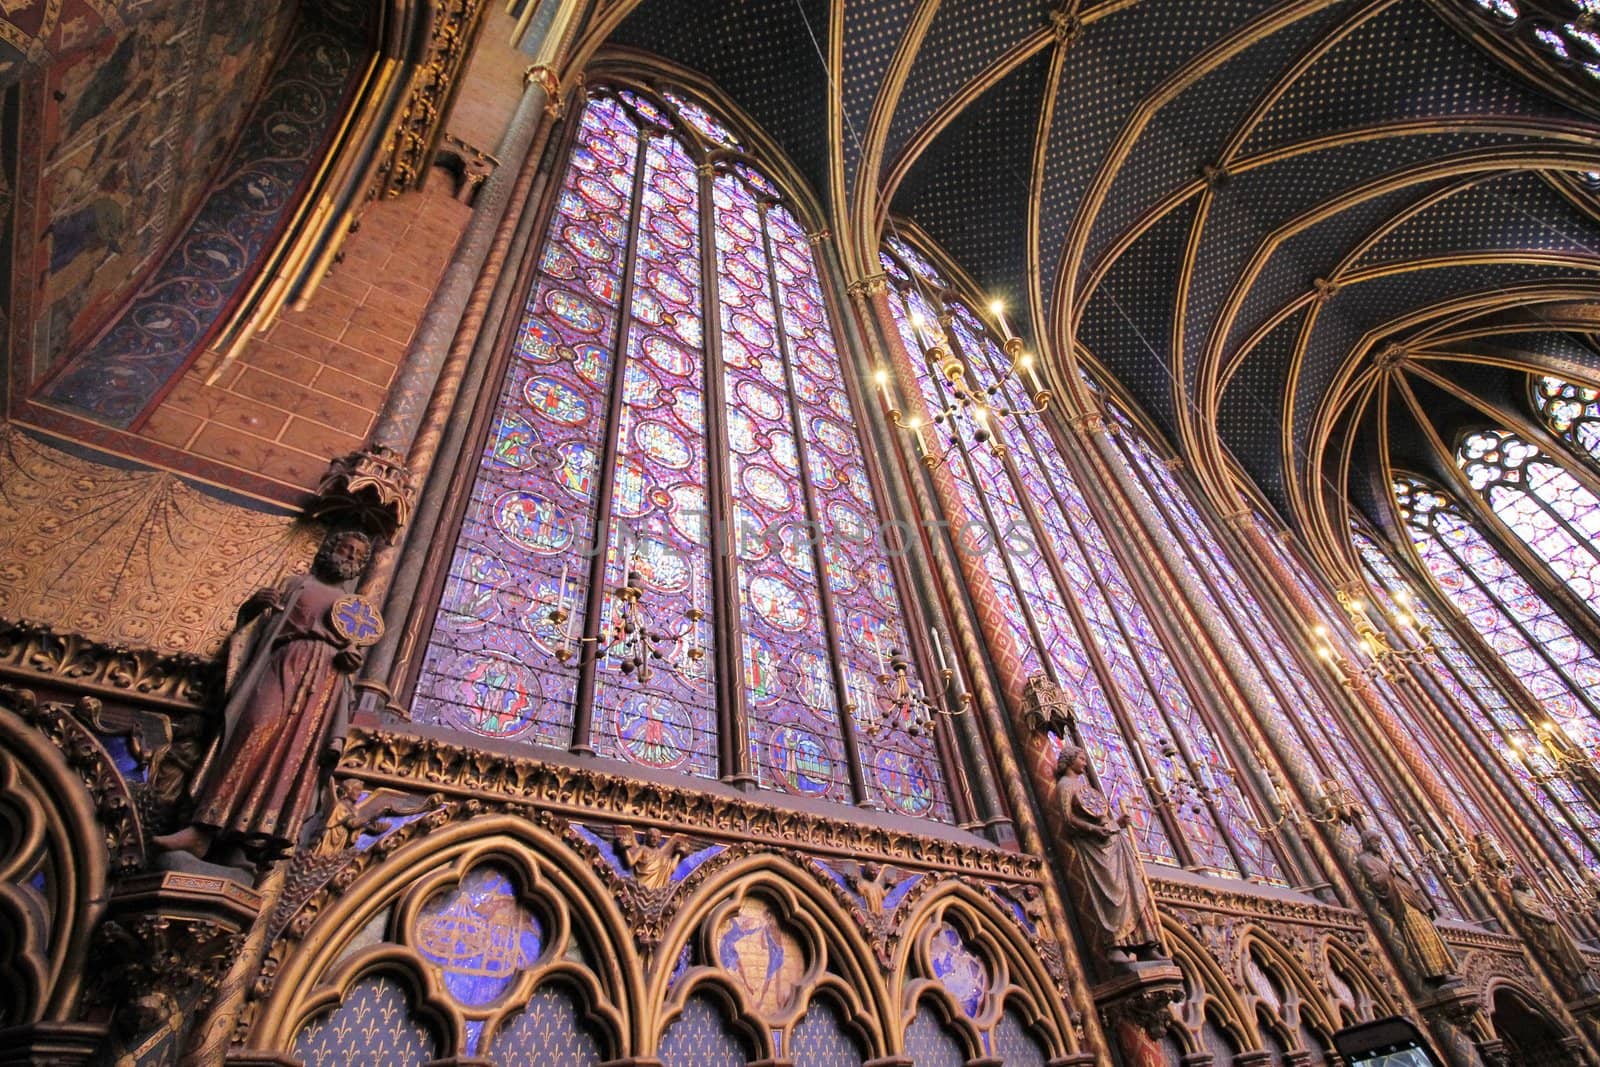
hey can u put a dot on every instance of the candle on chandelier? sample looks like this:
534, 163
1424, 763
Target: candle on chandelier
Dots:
999, 309
561, 590
877, 646
938, 650
1032, 373
922, 445
919, 328
881, 378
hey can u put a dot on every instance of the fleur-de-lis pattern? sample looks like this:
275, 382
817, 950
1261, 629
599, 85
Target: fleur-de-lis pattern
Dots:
930, 1044
702, 1037
550, 1030
372, 1027
821, 1040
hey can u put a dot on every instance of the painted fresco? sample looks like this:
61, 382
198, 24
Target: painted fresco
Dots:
125, 365
131, 131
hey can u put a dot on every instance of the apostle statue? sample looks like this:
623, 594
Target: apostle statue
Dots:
1554, 941
1109, 875
289, 659
1408, 906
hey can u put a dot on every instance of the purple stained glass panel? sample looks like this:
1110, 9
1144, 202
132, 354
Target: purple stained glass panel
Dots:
658, 526
490, 668
1272, 674
901, 769
1516, 622
794, 716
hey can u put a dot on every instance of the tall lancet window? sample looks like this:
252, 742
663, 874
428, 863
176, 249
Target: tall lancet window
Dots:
1073, 614
1487, 709
671, 556
1283, 696
1572, 411
1538, 646
1540, 502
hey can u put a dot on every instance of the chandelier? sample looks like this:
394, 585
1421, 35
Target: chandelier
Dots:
971, 409
1383, 658
901, 707
1550, 756
633, 637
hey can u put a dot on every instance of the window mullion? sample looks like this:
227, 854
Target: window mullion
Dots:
1109, 687
1534, 645
733, 722
847, 727
595, 598
1028, 617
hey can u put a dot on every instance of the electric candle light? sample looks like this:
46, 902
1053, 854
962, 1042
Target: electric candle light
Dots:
916, 430
1032, 373
999, 309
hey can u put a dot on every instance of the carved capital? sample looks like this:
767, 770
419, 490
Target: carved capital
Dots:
545, 78
1090, 422
370, 490
870, 286
1144, 998
1454, 1004
168, 939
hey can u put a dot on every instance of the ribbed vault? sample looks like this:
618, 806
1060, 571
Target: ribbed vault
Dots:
1236, 207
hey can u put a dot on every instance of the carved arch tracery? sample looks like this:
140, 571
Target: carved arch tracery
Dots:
54, 865
940, 932
838, 960
584, 943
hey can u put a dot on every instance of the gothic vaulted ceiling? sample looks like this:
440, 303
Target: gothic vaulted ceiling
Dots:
1235, 206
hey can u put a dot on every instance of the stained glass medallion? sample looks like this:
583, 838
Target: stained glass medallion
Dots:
581, 482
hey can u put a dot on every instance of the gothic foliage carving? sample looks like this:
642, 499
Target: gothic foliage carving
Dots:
515, 889
1269, 972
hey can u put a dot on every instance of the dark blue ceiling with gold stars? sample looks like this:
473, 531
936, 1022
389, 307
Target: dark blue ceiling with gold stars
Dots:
1232, 205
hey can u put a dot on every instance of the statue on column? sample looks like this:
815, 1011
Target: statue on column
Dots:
1553, 940
1109, 874
1408, 906
290, 658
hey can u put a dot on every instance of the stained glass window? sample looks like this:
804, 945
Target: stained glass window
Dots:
1487, 709
1537, 645
1572, 411
1072, 612
664, 431
1540, 502
1286, 700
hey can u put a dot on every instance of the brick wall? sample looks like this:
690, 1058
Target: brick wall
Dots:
310, 388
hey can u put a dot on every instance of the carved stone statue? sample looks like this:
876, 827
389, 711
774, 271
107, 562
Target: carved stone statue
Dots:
871, 881
1106, 867
652, 860
1549, 935
1408, 906
288, 658
351, 814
